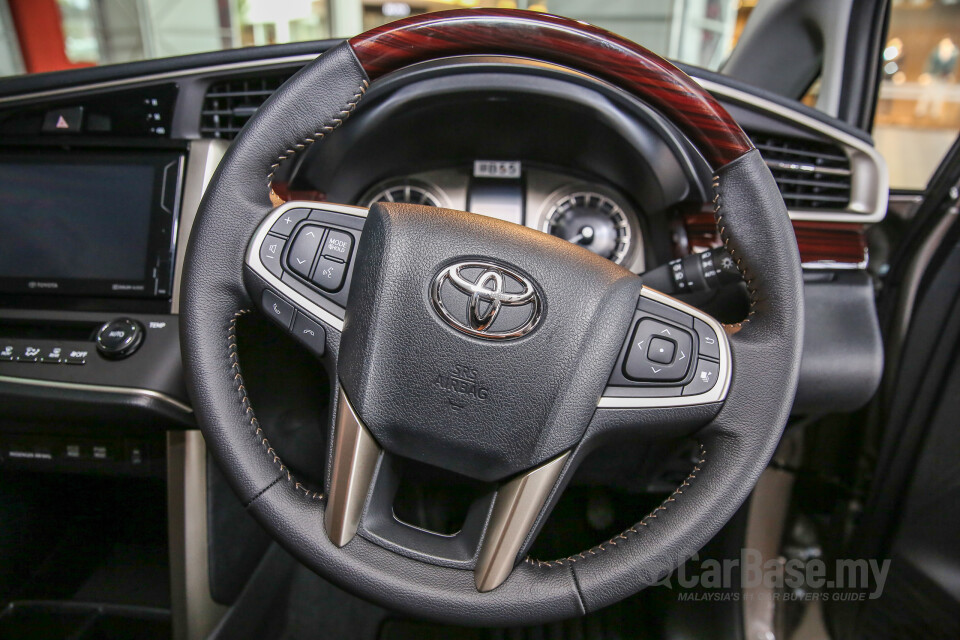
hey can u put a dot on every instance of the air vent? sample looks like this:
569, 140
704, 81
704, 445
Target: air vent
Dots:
230, 103
810, 174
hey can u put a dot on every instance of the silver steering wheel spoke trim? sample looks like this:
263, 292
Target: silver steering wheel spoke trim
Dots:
515, 509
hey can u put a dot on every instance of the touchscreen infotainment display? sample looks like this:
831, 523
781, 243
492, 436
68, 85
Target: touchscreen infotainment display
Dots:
87, 224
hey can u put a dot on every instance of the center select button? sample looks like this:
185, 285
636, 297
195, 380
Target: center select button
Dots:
645, 362
304, 249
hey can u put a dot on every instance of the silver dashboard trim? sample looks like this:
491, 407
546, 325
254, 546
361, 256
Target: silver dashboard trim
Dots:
719, 391
870, 181
252, 259
193, 612
77, 386
160, 77
203, 158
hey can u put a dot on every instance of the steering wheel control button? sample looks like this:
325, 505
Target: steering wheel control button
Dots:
310, 333
284, 226
329, 274
649, 337
661, 350
338, 245
304, 249
119, 339
277, 308
660, 310
709, 346
704, 378
270, 252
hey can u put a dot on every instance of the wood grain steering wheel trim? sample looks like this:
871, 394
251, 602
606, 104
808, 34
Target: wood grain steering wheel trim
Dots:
561, 41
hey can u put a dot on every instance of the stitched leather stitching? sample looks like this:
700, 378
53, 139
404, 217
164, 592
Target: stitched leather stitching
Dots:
734, 254
248, 408
634, 530
323, 131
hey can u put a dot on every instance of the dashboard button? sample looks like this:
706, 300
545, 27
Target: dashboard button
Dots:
75, 357
329, 274
304, 249
65, 120
337, 245
119, 338
52, 356
277, 308
285, 224
309, 333
638, 365
709, 344
29, 354
6, 353
703, 379
270, 252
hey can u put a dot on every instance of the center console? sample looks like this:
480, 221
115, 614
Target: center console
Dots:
102, 507
85, 287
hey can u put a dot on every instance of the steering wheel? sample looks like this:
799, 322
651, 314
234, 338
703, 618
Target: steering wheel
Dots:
482, 347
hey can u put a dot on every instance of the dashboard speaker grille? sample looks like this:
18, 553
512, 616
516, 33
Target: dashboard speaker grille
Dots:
810, 174
228, 104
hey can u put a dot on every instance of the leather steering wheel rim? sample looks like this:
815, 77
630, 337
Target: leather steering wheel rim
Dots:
735, 445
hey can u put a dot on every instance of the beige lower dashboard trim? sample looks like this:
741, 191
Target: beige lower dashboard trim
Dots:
194, 612
76, 386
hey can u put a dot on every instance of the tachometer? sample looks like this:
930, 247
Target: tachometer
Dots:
413, 192
593, 221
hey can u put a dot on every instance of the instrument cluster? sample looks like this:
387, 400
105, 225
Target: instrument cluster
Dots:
594, 216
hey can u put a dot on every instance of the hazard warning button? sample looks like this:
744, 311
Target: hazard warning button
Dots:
64, 120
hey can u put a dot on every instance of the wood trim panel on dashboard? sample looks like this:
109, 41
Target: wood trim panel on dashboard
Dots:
561, 41
821, 244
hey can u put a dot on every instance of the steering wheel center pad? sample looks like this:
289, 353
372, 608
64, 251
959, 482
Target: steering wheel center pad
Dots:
481, 407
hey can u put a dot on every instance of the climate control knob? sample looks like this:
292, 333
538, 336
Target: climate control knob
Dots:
119, 338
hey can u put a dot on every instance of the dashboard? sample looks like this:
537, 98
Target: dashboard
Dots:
102, 172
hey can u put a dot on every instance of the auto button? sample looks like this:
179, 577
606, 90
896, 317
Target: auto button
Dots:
120, 338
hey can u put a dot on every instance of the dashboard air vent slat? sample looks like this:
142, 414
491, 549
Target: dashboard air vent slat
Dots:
228, 104
811, 174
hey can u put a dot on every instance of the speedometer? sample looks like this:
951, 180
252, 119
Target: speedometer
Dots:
593, 221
